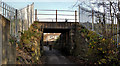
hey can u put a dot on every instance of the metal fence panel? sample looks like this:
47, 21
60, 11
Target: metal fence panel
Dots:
104, 23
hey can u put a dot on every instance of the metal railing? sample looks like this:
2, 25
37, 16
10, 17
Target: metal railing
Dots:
56, 15
20, 19
7, 11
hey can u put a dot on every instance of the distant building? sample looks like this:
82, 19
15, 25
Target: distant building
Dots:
51, 36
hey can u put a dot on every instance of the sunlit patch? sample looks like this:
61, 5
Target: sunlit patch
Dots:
4, 24
51, 36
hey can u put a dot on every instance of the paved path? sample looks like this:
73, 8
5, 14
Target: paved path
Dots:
54, 57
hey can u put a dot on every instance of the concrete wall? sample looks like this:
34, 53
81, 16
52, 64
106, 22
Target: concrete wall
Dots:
7, 50
0, 40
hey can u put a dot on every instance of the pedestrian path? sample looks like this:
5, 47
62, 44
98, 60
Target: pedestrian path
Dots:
54, 57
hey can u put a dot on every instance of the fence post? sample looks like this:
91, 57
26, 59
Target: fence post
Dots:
22, 25
0, 7
75, 16
118, 29
28, 15
79, 13
35, 14
16, 23
56, 16
92, 20
3, 8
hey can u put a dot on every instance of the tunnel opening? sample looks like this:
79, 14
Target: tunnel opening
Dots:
53, 36
50, 38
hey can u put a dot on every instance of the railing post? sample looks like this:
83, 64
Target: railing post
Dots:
35, 14
56, 16
75, 16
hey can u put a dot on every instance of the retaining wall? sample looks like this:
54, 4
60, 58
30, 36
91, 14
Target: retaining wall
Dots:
7, 50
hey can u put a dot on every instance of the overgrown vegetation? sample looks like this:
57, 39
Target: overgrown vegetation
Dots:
102, 50
94, 48
30, 45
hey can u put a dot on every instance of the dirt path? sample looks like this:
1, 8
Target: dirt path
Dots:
54, 57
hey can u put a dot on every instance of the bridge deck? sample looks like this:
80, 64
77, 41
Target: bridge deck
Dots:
56, 25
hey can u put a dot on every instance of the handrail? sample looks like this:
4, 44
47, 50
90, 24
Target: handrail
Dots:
55, 10
55, 18
57, 14
65, 16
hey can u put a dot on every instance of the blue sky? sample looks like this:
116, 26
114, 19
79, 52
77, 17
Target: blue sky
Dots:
40, 0
52, 5
46, 4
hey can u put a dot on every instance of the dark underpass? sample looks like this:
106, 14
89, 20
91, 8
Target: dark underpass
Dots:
54, 55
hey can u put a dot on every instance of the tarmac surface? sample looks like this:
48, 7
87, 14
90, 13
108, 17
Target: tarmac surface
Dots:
55, 57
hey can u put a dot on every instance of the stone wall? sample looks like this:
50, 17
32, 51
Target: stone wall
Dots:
7, 50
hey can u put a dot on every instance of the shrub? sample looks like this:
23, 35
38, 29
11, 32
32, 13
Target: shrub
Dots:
30, 43
101, 50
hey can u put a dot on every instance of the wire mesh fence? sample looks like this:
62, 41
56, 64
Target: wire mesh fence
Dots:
102, 18
9, 13
26, 17
20, 20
